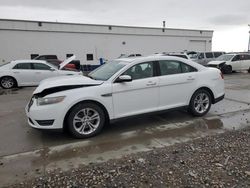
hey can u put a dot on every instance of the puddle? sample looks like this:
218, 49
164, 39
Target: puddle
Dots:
8, 91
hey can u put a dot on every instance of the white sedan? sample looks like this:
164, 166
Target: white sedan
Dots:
30, 72
122, 88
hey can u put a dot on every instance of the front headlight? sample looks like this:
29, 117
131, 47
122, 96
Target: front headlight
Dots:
49, 100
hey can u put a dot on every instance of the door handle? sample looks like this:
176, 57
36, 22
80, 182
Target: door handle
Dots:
151, 83
38, 72
190, 78
16, 72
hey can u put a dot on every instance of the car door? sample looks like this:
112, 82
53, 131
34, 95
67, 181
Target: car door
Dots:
236, 63
43, 71
176, 83
245, 62
141, 95
24, 74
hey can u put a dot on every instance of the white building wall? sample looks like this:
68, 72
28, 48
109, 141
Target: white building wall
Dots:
19, 39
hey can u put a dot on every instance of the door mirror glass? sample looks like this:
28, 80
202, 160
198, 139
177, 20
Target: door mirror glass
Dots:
124, 78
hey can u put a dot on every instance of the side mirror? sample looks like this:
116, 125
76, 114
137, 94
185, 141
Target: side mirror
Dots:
124, 78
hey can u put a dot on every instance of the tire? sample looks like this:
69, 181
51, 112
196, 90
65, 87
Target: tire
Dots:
8, 82
200, 103
227, 69
79, 120
249, 70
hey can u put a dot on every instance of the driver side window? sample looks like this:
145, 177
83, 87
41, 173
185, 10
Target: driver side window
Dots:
140, 71
236, 58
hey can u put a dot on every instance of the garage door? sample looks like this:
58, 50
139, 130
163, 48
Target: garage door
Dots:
197, 45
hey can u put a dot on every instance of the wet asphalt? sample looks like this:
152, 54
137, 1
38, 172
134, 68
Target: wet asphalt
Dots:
26, 153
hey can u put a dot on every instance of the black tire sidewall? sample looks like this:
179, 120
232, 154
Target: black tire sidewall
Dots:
75, 110
14, 80
191, 105
227, 69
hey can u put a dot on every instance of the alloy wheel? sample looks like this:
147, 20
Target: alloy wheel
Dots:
86, 121
201, 103
7, 82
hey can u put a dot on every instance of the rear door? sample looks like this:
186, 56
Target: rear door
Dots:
245, 64
24, 74
236, 63
176, 83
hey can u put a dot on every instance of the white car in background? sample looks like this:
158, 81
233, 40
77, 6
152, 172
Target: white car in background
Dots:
122, 88
228, 63
30, 72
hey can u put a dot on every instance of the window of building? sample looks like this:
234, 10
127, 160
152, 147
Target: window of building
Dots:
40, 66
140, 71
90, 57
24, 66
33, 56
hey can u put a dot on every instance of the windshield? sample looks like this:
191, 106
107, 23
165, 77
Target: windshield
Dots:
2, 64
225, 57
107, 70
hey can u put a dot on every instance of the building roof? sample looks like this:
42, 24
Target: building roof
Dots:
30, 25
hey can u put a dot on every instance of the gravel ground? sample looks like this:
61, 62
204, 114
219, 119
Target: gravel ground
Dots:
214, 161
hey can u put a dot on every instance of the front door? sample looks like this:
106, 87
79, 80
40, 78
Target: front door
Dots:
43, 71
141, 95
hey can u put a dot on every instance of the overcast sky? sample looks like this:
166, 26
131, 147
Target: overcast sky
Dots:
228, 18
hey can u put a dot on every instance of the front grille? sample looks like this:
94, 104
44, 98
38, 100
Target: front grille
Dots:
45, 122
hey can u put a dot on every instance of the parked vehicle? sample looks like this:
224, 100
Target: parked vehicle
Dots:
182, 55
55, 61
30, 72
129, 55
204, 57
232, 62
122, 88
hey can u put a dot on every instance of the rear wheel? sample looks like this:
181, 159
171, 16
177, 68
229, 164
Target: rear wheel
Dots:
200, 103
85, 120
8, 82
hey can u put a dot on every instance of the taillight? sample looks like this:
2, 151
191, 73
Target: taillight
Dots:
221, 74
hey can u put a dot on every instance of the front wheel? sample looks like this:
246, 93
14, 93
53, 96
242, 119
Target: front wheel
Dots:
7, 82
200, 103
85, 120
227, 69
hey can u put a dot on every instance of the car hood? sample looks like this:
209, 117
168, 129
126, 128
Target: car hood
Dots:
215, 62
62, 83
67, 61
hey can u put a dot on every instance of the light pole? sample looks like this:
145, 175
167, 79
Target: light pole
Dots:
249, 40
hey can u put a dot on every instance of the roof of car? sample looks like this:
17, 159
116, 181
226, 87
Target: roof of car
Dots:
28, 61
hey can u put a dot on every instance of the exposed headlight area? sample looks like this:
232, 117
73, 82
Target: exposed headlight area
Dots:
222, 64
49, 100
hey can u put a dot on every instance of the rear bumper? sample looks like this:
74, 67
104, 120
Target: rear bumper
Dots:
219, 99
